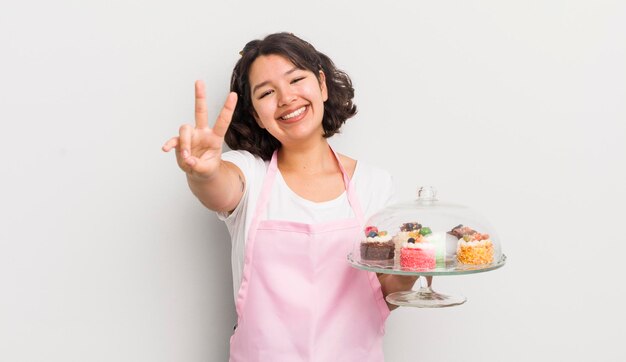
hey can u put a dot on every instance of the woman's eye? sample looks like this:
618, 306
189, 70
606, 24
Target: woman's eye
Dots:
297, 80
267, 92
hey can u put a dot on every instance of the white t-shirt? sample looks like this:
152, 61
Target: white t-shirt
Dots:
374, 189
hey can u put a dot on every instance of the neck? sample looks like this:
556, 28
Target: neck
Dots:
310, 159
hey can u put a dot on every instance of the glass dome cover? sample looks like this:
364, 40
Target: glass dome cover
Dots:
427, 237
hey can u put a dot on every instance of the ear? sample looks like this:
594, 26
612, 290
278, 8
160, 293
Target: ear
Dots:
256, 118
323, 86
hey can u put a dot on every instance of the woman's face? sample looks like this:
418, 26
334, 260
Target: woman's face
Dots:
288, 101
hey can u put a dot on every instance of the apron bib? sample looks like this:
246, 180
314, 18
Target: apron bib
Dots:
299, 299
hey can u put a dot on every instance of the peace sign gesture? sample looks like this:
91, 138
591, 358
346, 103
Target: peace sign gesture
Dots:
199, 148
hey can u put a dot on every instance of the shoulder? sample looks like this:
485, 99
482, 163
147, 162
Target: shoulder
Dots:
240, 155
245, 161
364, 172
370, 175
374, 186
349, 164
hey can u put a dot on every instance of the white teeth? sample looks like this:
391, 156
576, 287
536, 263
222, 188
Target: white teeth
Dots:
294, 113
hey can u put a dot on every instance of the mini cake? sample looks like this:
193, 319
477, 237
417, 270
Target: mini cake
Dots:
473, 247
459, 231
418, 252
377, 248
407, 231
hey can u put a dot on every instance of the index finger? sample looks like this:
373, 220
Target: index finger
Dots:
226, 115
202, 118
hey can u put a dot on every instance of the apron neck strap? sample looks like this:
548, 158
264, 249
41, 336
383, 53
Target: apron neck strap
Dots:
271, 175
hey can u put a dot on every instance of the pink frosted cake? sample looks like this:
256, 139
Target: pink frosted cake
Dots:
407, 231
417, 256
417, 252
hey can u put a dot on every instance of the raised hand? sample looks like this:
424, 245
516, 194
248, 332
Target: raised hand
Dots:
199, 148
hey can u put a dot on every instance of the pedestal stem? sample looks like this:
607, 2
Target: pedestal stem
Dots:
425, 297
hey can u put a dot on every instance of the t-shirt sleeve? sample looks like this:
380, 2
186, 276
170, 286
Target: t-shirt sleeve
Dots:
392, 191
375, 188
387, 186
248, 164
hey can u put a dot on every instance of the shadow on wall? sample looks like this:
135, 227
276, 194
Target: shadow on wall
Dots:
221, 306
207, 249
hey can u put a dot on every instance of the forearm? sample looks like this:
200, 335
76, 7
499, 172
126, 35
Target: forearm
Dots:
391, 283
221, 192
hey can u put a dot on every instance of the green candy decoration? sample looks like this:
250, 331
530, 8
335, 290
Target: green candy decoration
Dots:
425, 231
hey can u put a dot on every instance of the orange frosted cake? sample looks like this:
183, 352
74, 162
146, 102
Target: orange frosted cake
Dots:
473, 247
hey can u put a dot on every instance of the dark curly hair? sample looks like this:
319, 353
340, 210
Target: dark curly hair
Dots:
244, 133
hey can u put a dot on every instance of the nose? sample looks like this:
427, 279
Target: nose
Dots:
286, 97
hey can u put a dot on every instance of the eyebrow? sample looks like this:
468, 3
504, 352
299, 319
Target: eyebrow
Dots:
267, 81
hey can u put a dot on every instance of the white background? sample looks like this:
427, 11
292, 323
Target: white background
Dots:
515, 108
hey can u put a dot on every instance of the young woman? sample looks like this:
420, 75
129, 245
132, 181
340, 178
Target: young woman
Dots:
293, 206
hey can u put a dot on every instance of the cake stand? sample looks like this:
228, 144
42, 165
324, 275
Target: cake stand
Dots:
440, 226
426, 297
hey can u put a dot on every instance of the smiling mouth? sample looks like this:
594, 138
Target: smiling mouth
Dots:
293, 114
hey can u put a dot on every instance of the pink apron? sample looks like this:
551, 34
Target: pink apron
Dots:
299, 299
